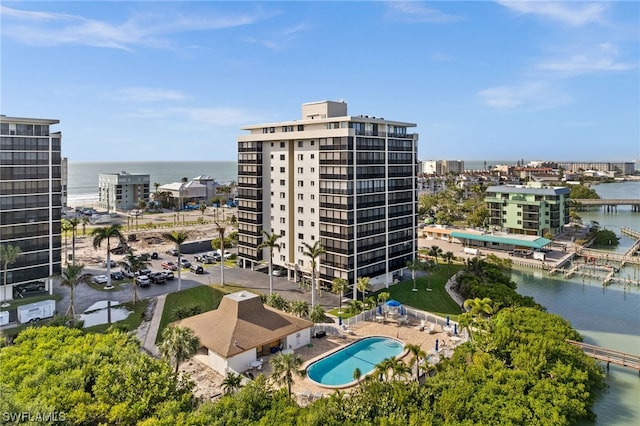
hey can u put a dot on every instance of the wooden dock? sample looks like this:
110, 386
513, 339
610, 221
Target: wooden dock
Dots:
609, 355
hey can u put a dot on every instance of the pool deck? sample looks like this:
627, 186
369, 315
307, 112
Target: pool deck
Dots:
321, 347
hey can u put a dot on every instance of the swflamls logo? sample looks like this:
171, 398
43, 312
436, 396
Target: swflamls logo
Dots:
28, 416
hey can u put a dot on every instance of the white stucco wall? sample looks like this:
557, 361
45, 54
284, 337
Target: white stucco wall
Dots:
299, 339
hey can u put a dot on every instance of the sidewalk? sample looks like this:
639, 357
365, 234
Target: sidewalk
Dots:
149, 343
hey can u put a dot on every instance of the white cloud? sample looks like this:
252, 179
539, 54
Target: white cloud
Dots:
601, 58
139, 29
219, 116
572, 13
440, 57
530, 95
147, 94
414, 11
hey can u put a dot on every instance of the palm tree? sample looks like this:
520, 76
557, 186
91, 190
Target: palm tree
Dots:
135, 263
203, 208
363, 286
418, 354
313, 252
232, 383
435, 251
414, 266
383, 296
283, 367
71, 277
478, 310
270, 241
429, 266
85, 221
355, 306
177, 237
357, 374
448, 257
221, 230
317, 314
106, 233
384, 367
8, 255
339, 286
179, 343
299, 308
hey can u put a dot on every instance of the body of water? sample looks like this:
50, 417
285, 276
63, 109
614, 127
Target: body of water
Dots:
605, 316
83, 176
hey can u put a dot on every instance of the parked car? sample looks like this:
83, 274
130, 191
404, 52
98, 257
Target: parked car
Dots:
172, 252
127, 273
154, 255
143, 281
113, 263
157, 277
185, 263
168, 275
169, 265
197, 269
117, 275
145, 271
100, 279
31, 287
279, 272
204, 258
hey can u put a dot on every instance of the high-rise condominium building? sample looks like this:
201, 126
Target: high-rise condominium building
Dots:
347, 182
30, 198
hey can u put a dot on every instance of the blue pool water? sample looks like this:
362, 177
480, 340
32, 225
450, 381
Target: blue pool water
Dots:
337, 369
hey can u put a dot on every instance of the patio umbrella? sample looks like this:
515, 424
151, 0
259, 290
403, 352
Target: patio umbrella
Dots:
447, 320
339, 319
401, 310
379, 309
455, 328
394, 303
437, 343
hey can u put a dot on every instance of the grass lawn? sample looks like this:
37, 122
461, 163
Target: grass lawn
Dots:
207, 297
436, 301
131, 323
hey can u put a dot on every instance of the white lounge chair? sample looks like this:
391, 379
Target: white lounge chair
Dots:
305, 394
431, 329
421, 326
318, 395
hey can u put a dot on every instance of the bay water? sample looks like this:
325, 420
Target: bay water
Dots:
607, 316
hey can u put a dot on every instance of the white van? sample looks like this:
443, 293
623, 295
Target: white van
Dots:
4, 317
36, 311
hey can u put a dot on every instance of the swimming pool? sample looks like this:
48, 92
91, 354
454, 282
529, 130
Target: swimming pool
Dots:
336, 370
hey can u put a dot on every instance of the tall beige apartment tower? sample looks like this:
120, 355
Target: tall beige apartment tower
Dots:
348, 182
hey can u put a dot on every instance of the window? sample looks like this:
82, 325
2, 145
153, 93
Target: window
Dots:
271, 143
300, 157
300, 127
300, 249
271, 168
281, 169
300, 262
312, 155
272, 207
282, 195
313, 210
281, 144
282, 182
299, 144
313, 183
282, 157
272, 193
301, 210
313, 170
301, 236
281, 207
300, 197
272, 129
282, 232
313, 224
300, 222
283, 245
265, 130
312, 144
313, 197
300, 183
300, 170
313, 237
272, 179
282, 220
272, 156
282, 258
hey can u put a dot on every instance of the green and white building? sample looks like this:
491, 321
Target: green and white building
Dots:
529, 210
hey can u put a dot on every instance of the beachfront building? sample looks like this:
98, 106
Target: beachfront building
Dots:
122, 191
623, 168
347, 182
251, 331
30, 199
534, 209
442, 167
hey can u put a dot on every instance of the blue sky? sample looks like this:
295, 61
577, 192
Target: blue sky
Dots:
176, 80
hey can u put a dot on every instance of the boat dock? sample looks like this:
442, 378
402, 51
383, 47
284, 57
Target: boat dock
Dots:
609, 355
